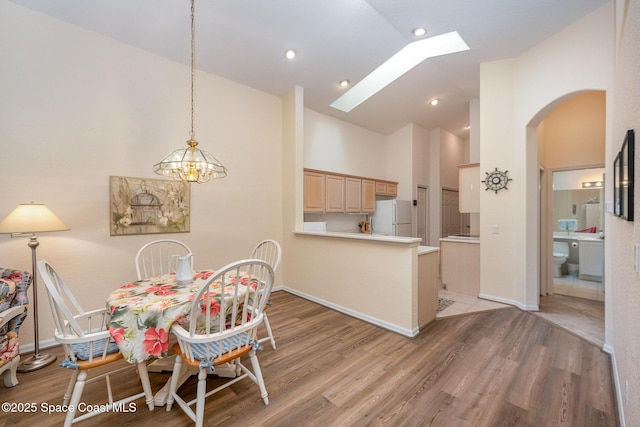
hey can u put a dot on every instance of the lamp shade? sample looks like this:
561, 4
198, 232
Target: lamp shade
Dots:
31, 218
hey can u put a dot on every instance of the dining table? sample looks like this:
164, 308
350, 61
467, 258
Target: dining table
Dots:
143, 312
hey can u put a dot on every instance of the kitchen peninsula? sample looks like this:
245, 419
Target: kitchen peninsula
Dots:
389, 281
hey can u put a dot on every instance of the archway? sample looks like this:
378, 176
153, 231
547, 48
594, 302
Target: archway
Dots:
569, 133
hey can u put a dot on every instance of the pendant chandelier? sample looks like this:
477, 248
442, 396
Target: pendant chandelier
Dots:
191, 164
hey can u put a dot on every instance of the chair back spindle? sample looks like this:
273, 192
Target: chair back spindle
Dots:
160, 257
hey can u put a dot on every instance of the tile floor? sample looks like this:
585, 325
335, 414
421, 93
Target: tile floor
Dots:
574, 287
466, 304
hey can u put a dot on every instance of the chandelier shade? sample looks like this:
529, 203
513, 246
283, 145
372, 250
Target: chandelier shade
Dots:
191, 164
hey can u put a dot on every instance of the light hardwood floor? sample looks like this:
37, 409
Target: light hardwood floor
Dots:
580, 316
503, 367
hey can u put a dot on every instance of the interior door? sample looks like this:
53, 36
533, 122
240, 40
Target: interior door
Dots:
450, 215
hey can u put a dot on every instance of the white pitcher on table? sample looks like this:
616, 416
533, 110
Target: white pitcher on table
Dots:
184, 273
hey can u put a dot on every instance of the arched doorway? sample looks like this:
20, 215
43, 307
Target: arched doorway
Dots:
568, 134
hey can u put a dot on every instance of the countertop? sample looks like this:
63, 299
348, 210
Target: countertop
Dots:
459, 239
423, 250
593, 237
410, 241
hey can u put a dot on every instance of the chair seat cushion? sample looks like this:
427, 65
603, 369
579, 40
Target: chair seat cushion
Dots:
81, 350
223, 346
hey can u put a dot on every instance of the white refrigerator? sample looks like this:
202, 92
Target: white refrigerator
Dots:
392, 217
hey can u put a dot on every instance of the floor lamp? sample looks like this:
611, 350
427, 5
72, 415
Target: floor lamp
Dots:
27, 220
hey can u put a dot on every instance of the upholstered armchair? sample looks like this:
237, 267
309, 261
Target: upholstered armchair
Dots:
13, 310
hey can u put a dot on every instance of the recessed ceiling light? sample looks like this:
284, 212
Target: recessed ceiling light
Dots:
419, 32
344, 83
290, 53
434, 102
407, 58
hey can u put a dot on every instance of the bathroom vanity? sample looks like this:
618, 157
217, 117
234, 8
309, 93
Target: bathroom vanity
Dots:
586, 250
591, 259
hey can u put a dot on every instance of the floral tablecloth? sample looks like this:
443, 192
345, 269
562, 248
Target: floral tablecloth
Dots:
142, 313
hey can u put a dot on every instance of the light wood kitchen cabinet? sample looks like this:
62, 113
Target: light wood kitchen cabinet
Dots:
314, 191
328, 192
368, 196
385, 188
334, 199
469, 184
353, 190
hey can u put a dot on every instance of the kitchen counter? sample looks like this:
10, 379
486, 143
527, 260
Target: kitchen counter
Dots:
383, 238
423, 250
461, 239
389, 281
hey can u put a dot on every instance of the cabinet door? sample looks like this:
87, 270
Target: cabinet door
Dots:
368, 196
314, 192
469, 184
392, 189
353, 188
335, 193
386, 188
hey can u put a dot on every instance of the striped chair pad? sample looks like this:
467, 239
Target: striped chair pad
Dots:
222, 346
81, 350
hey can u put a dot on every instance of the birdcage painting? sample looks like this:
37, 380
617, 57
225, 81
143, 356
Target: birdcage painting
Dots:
148, 206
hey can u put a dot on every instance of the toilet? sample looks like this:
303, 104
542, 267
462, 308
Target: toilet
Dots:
560, 255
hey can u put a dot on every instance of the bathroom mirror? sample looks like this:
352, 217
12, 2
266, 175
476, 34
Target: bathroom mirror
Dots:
572, 201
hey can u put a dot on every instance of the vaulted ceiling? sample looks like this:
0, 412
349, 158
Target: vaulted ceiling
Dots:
245, 40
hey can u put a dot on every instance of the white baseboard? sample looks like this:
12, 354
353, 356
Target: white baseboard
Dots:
411, 333
30, 348
616, 382
510, 302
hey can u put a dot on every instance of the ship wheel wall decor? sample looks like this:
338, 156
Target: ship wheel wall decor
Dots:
496, 180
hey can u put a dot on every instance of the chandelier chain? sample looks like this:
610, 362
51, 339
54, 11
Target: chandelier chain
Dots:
192, 134
191, 164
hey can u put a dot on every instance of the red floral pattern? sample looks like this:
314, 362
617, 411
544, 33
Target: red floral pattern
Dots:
142, 313
156, 341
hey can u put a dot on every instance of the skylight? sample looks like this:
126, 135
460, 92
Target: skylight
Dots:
407, 58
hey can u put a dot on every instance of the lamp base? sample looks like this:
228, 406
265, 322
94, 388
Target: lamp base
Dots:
36, 362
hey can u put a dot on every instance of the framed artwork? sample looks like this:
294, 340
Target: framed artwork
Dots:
617, 190
626, 175
148, 206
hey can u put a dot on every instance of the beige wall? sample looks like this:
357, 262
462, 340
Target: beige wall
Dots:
516, 95
399, 161
575, 132
624, 292
421, 156
333, 145
77, 108
453, 152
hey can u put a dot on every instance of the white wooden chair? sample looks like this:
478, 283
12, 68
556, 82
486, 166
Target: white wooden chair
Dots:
221, 330
270, 252
160, 257
87, 344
